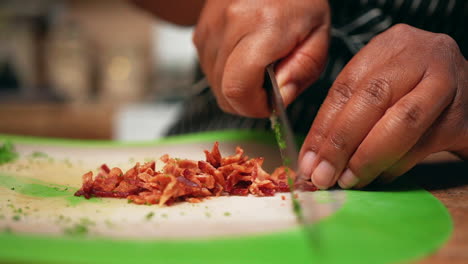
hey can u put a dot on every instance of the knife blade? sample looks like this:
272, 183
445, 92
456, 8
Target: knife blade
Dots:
304, 211
280, 123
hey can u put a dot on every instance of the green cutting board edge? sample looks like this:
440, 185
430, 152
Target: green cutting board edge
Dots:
386, 226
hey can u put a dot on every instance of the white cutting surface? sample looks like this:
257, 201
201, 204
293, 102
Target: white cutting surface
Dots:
221, 216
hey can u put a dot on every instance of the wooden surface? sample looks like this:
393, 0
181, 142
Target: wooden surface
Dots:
82, 121
448, 181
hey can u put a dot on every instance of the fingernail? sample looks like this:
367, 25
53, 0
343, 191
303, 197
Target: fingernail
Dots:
348, 179
307, 163
323, 175
288, 92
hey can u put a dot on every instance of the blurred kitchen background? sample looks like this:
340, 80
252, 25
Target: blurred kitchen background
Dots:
91, 70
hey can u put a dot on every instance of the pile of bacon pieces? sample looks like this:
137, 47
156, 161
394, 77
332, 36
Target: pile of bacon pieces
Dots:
188, 180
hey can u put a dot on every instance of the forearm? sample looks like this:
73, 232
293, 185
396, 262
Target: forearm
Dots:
180, 12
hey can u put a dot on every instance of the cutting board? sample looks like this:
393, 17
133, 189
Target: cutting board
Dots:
41, 220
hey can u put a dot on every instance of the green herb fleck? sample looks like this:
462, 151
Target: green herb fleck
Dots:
38, 154
68, 163
109, 223
207, 214
149, 216
227, 214
290, 182
16, 218
86, 221
182, 213
278, 133
297, 207
164, 215
129, 201
12, 188
7, 152
77, 230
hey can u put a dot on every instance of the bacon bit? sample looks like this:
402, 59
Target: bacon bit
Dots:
188, 180
283, 197
105, 168
194, 200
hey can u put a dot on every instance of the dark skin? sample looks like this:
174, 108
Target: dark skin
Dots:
401, 98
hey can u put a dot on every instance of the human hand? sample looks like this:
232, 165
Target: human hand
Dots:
401, 98
236, 40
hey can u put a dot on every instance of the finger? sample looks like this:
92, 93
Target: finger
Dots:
375, 94
429, 143
242, 83
207, 42
208, 49
341, 91
397, 131
208, 66
407, 162
303, 65
233, 36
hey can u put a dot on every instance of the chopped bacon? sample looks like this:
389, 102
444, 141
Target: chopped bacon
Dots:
189, 180
105, 168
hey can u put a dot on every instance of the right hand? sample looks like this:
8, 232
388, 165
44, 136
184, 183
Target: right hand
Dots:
236, 40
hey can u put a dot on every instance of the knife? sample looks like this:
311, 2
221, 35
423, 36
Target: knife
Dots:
280, 123
284, 135
304, 211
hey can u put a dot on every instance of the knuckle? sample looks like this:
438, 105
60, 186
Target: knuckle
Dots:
309, 64
318, 134
446, 45
338, 141
196, 40
198, 37
269, 13
234, 91
410, 114
445, 41
402, 32
401, 29
234, 11
340, 93
377, 92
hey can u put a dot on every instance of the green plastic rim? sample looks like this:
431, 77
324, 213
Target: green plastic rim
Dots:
400, 223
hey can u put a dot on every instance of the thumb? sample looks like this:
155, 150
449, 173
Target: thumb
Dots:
304, 64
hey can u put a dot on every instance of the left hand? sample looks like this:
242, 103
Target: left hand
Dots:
401, 98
